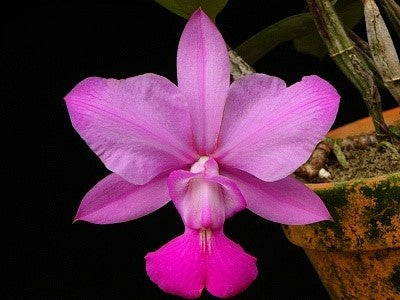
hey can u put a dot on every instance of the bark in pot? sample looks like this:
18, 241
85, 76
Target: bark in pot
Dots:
358, 255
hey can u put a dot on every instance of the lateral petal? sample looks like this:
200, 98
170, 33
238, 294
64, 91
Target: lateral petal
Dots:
115, 200
269, 131
139, 127
203, 76
286, 201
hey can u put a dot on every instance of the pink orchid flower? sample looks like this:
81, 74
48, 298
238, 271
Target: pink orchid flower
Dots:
211, 147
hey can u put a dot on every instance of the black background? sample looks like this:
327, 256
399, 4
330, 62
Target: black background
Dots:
48, 48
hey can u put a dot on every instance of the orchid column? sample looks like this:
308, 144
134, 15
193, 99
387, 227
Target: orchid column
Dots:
212, 148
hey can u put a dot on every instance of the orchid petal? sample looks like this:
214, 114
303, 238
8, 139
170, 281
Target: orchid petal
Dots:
196, 259
204, 201
179, 267
286, 201
115, 200
230, 269
203, 76
139, 127
269, 131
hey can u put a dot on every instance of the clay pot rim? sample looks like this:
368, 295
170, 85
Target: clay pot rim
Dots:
360, 126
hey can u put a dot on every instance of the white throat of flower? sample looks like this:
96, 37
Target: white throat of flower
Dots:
198, 166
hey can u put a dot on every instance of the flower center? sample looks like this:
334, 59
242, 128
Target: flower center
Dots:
198, 166
205, 165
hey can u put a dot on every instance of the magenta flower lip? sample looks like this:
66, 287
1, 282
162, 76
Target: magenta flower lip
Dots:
212, 147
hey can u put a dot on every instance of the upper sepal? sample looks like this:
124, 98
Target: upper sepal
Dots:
203, 76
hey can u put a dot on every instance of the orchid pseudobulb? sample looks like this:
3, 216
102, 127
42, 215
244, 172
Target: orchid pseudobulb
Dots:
213, 148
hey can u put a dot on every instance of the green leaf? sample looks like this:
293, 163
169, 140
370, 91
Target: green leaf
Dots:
299, 28
349, 11
311, 44
185, 8
267, 39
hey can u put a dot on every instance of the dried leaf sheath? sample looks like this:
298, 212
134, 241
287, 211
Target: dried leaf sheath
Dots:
382, 48
349, 60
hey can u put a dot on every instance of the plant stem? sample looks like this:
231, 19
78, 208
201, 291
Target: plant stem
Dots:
343, 51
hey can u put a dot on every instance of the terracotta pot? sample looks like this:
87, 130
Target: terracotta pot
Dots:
358, 255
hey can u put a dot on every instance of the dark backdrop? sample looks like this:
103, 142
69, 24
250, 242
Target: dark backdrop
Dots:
47, 49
